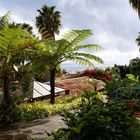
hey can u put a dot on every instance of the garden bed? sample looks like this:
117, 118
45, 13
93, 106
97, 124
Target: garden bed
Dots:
77, 85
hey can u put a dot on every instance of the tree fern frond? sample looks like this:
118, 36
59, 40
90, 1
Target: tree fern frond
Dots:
82, 61
93, 47
4, 21
77, 36
63, 46
89, 56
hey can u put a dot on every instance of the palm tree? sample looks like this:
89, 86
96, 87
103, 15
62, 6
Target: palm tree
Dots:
138, 40
135, 5
53, 53
24, 26
48, 22
5, 23
14, 48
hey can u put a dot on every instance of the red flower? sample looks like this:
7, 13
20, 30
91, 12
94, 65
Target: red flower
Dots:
130, 104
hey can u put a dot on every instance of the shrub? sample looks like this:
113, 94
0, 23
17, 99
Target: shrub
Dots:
115, 72
100, 121
9, 115
22, 113
124, 70
115, 84
97, 74
28, 112
96, 120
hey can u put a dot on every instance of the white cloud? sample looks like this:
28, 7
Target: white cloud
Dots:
114, 23
113, 56
62, 31
3, 11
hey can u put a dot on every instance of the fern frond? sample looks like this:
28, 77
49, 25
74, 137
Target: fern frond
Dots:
82, 61
77, 36
89, 56
4, 21
93, 47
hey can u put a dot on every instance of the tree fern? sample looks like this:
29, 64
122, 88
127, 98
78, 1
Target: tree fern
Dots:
93, 47
77, 36
81, 61
55, 52
89, 56
4, 21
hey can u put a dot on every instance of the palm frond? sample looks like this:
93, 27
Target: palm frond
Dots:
48, 22
138, 39
135, 5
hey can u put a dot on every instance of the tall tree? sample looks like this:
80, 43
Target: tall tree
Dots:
24, 26
53, 53
134, 65
14, 48
135, 5
48, 22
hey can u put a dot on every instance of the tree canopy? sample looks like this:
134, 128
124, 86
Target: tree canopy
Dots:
48, 22
52, 53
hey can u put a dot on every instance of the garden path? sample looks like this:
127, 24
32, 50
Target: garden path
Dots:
36, 129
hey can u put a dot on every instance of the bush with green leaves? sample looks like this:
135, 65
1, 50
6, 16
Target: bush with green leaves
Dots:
114, 71
126, 85
100, 121
9, 115
24, 112
29, 112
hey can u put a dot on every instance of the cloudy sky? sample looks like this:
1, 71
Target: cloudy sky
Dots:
114, 23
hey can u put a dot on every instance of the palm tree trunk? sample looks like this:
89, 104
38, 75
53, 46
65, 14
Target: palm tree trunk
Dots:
52, 85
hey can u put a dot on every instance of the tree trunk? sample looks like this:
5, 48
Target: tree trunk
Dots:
52, 85
6, 96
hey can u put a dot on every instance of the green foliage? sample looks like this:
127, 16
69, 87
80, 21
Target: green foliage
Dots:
4, 21
9, 115
115, 84
23, 26
28, 112
123, 70
100, 121
114, 71
15, 47
128, 87
53, 53
67, 49
133, 77
134, 65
